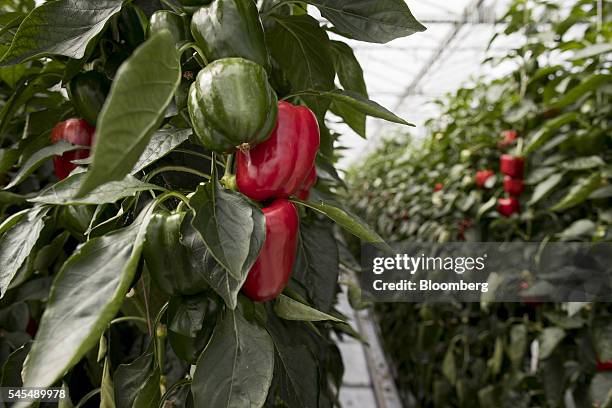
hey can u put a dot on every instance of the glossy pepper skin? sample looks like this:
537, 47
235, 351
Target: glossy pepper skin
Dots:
230, 28
513, 186
87, 92
277, 167
77, 132
511, 165
482, 176
508, 206
304, 192
167, 259
232, 105
164, 19
272, 269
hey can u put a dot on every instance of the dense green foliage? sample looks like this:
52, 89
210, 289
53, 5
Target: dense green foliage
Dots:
121, 282
558, 100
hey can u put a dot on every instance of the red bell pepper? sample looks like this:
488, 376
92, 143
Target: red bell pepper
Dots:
77, 132
277, 167
272, 269
513, 186
438, 186
508, 206
482, 176
304, 191
510, 137
512, 166
604, 365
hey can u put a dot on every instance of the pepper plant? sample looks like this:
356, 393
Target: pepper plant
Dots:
165, 238
466, 181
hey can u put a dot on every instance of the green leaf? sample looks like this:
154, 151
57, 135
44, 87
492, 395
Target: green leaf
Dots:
235, 369
592, 83
600, 390
296, 366
11, 370
302, 49
162, 142
319, 270
350, 75
579, 192
602, 330
549, 340
545, 187
289, 309
583, 163
232, 228
374, 21
143, 88
517, 345
62, 27
578, 229
134, 379
592, 51
216, 275
107, 395
85, 296
603, 192
65, 191
362, 104
38, 158
548, 130
449, 366
346, 220
18, 235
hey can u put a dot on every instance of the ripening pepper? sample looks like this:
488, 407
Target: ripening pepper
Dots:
168, 261
77, 132
513, 186
304, 192
232, 105
508, 206
438, 186
164, 19
277, 167
604, 365
512, 166
230, 28
272, 269
87, 92
510, 137
482, 176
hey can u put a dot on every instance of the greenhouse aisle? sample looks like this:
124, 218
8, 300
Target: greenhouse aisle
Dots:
367, 382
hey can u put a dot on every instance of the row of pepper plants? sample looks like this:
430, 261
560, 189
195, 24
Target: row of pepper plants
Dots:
169, 233
525, 157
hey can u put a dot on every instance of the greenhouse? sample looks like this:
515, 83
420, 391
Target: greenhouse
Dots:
305, 204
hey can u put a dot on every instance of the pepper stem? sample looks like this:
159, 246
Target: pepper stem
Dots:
244, 147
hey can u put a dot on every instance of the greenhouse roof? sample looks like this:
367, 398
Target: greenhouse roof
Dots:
407, 74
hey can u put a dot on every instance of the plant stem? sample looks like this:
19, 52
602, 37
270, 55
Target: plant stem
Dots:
177, 169
87, 397
128, 319
178, 384
205, 156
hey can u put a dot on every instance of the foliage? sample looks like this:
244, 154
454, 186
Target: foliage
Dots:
558, 100
72, 271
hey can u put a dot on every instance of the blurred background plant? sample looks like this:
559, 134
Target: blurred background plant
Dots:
554, 112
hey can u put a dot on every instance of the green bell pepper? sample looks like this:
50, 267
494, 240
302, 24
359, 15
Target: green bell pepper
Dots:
232, 105
171, 21
168, 261
87, 91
